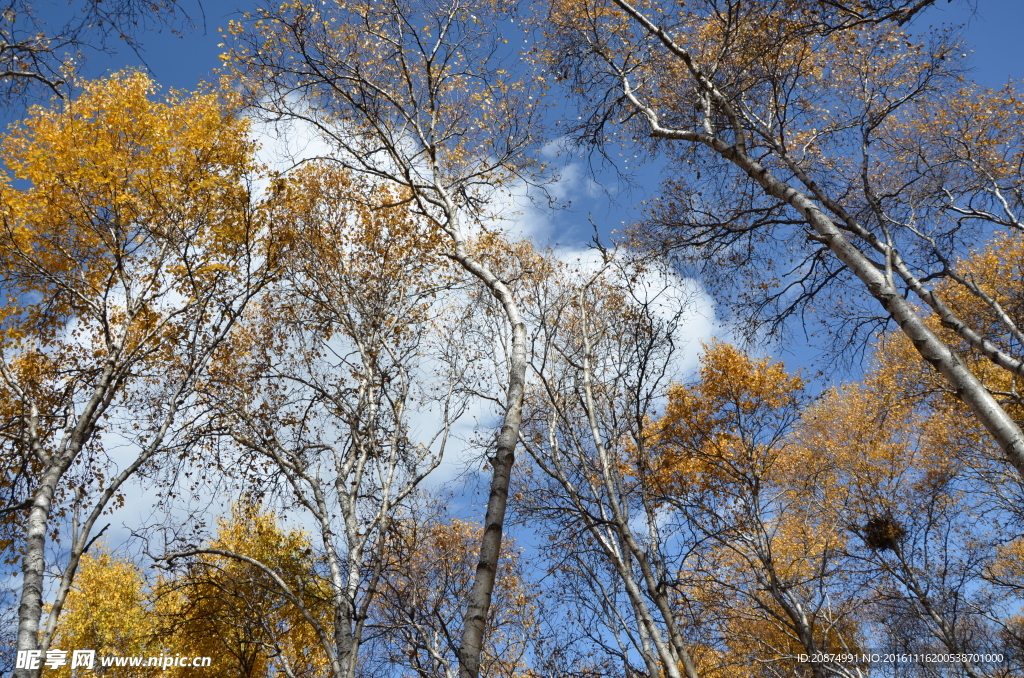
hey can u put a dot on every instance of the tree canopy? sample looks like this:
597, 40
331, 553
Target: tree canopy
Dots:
264, 374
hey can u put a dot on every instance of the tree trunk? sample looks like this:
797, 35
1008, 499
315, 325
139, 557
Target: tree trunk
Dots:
475, 618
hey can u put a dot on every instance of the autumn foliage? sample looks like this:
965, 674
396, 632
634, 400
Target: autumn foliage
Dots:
308, 385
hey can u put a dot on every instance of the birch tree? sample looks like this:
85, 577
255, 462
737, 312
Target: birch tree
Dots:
40, 45
764, 571
603, 356
416, 94
127, 252
328, 396
826, 155
418, 615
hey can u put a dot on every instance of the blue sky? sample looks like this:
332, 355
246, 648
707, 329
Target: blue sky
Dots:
993, 34
993, 31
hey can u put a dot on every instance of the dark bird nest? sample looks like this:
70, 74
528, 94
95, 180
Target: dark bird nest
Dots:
883, 533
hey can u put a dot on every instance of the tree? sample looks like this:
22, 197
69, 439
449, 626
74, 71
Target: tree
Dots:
908, 481
229, 603
747, 524
128, 251
821, 143
220, 607
317, 390
35, 52
416, 620
415, 94
865, 522
106, 609
110, 610
605, 342
761, 565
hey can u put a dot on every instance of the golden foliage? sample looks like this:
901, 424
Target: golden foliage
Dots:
219, 608
127, 244
230, 608
725, 428
105, 185
422, 597
109, 611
